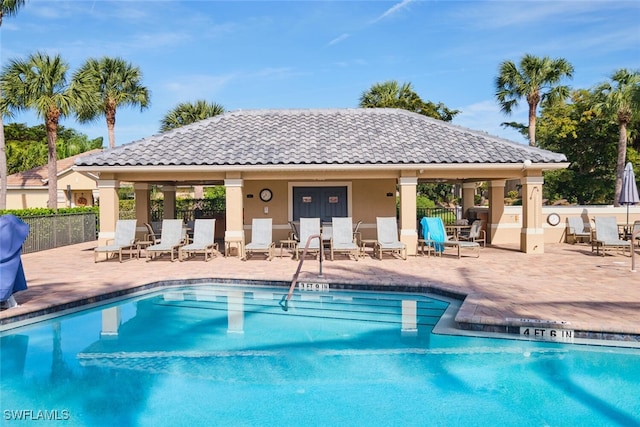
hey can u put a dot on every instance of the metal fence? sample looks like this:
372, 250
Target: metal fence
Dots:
448, 215
53, 231
190, 209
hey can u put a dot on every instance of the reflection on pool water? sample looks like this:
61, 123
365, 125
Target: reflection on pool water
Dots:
229, 355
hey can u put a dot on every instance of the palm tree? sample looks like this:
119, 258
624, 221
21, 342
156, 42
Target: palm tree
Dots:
39, 83
536, 80
620, 98
8, 8
114, 82
186, 113
390, 94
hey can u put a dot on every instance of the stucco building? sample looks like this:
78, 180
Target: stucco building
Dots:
287, 164
30, 189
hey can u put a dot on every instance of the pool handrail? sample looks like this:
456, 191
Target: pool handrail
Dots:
284, 302
635, 233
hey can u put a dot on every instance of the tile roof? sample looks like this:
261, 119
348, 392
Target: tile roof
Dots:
38, 176
319, 137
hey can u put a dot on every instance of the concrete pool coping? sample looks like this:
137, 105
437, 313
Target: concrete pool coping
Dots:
566, 288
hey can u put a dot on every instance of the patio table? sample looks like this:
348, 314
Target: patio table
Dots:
290, 244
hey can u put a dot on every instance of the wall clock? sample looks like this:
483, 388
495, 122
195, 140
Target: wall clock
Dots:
553, 219
265, 195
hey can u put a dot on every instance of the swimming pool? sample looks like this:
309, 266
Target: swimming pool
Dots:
229, 355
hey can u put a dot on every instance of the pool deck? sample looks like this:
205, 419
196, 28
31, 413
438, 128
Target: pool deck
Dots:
567, 287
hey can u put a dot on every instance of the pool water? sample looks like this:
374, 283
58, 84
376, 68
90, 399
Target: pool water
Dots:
230, 356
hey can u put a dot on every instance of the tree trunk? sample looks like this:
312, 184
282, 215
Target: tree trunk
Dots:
622, 154
532, 125
3, 168
110, 115
52, 133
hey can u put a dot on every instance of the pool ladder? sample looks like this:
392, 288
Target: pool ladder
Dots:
284, 302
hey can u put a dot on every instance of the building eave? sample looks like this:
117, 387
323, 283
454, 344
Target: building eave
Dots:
319, 167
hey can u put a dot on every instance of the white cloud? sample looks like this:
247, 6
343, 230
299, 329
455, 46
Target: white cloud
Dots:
393, 9
349, 63
338, 39
501, 14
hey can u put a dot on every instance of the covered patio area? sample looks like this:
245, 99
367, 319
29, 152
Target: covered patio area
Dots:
360, 163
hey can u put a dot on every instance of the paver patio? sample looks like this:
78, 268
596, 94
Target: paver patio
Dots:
594, 294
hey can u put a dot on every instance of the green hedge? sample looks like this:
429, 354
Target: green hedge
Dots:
47, 211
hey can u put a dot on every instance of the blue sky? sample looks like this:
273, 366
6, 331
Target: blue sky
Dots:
323, 54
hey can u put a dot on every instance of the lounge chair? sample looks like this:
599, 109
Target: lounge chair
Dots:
342, 237
152, 237
387, 238
476, 234
123, 239
326, 229
261, 238
435, 236
171, 238
635, 231
577, 229
357, 236
309, 227
607, 237
294, 234
203, 240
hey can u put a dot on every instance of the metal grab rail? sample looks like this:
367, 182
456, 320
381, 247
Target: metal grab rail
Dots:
634, 234
284, 302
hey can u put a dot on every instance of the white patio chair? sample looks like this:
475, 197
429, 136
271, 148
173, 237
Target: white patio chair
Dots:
123, 239
476, 234
203, 240
309, 227
261, 238
435, 236
171, 238
387, 238
577, 229
607, 237
342, 237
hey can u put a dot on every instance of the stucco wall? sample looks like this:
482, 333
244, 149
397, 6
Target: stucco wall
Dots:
367, 200
25, 199
508, 232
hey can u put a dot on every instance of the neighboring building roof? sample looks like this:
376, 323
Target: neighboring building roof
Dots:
39, 176
362, 136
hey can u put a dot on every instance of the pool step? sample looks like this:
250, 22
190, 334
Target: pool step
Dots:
379, 309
